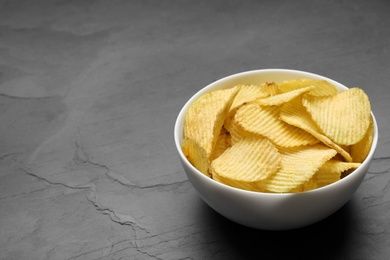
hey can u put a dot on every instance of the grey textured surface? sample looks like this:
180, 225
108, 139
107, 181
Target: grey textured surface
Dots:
89, 93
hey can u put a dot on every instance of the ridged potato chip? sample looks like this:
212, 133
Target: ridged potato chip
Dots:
331, 171
246, 94
321, 87
264, 120
249, 93
298, 166
309, 185
244, 185
360, 150
344, 117
196, 155
202, 125
223, 142
237, 132
249, 160
294, 113
283, 98
271, 88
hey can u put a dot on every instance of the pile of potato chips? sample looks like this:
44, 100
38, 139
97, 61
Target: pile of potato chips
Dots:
293, 136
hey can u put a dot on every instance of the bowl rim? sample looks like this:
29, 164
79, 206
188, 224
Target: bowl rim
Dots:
178, 127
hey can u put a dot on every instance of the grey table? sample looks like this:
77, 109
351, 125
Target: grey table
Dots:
89, 93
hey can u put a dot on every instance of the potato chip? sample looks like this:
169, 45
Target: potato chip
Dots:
294, 113
271, 88
249, 160
196, 155
360, 150
223, 142
249, 93
322, 87
298, 165
283, 98
237, 132
251, 186
246, 94
202, 125
265, 121
309, 185
344, 117
331, 171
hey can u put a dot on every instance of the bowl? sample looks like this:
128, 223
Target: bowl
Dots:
270, 211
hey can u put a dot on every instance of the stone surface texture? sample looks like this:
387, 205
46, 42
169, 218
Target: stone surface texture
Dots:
89, 94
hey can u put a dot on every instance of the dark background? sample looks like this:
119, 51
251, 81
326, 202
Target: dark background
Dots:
89, 94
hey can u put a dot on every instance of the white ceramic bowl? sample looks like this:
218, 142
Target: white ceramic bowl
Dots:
270, 211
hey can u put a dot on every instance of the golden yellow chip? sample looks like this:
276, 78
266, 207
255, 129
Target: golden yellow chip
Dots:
360, 150
344, 117
271, 88
249, 93
294, 113
237, 184
309, 185
331, 171
202, 125
246, 94
237, 132
196, 155
298, 165
249, 160
283, 98
322, 87
223, 142
265, 121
